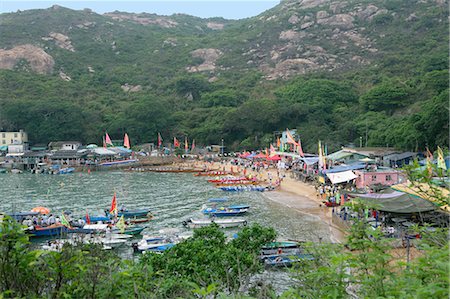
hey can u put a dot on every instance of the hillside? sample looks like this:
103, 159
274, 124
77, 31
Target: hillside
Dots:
335, 70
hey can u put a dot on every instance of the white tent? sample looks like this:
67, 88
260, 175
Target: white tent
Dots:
103, 151
340, 177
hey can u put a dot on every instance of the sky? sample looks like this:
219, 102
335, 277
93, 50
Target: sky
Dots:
228, 9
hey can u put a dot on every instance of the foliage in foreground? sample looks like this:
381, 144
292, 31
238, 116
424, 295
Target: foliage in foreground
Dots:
206, 266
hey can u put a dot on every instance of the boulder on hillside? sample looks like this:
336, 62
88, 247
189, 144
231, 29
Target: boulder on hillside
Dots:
344, 21
209, 57
40, 62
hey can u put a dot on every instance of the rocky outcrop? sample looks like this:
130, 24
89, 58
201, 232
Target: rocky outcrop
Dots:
61, 41
164, 22
289, 68
39, 61
312, 3
215, 26
344, 21
171, 41
294, 19
64, 76
209, 57
292, 35
85, 25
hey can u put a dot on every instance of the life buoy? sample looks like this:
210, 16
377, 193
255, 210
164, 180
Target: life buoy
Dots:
245, 223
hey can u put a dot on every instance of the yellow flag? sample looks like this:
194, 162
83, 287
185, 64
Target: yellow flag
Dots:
121, 224
440, 159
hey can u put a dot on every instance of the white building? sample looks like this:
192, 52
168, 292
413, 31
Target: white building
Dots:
9, 138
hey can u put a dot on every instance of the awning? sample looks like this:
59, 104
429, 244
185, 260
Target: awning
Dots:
403, 204
340, 177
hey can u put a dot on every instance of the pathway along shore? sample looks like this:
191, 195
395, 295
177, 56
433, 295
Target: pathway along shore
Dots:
293, 194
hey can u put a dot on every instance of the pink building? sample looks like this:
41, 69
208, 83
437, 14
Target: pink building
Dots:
386, 177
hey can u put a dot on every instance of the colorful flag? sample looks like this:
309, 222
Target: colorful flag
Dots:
193, 145
299, 149
186, 144
121, 224
289, 137
113, 209
272, 150
320, 156
176, 143
160, 140
429, 162
440, 159
108, 140
278, 142
64, 221
126, 141
88, 219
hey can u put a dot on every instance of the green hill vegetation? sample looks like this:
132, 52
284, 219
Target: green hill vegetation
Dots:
335, 71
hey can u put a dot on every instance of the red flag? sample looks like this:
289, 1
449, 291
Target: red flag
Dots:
186, 145
176, 143
88, 219
193, 145
160, 140
113, 209
126, 141
108, 140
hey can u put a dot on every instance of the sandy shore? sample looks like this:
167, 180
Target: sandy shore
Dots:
293, 194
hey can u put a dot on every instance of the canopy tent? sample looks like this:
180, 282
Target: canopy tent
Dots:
344, 155
391, 194
403, 204
345, 168
425, 191
310, 160
103, 151
340, 177
274, 158
260, 156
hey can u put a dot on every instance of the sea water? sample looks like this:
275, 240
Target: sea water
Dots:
172, 198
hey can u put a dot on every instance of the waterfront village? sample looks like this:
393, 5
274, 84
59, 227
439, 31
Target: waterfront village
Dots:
373, 174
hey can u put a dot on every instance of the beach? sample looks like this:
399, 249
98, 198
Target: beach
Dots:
292, 194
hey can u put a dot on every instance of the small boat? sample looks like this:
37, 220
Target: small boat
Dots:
223, 223
53, 230
230, 179
211, 173
243, 188
66, 170
233, 210
280, 244
157, 246
16, 171
131, 230
285, 260
221, 199
130, 213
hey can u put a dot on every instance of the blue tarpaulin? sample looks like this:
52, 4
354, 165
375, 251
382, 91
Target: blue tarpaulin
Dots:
346, 168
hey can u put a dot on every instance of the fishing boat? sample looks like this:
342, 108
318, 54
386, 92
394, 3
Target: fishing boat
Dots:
53, 230
221, 199
211, 173
223, 223
285, 260
157, 246
130, 230
280, 247
226, 212
66, 170
235, 183
243, 188
230, 179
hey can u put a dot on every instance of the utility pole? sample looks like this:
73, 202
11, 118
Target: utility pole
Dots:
222, 147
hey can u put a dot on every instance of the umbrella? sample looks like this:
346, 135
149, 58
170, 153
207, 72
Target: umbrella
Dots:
274, 158
92, 146
42, 210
